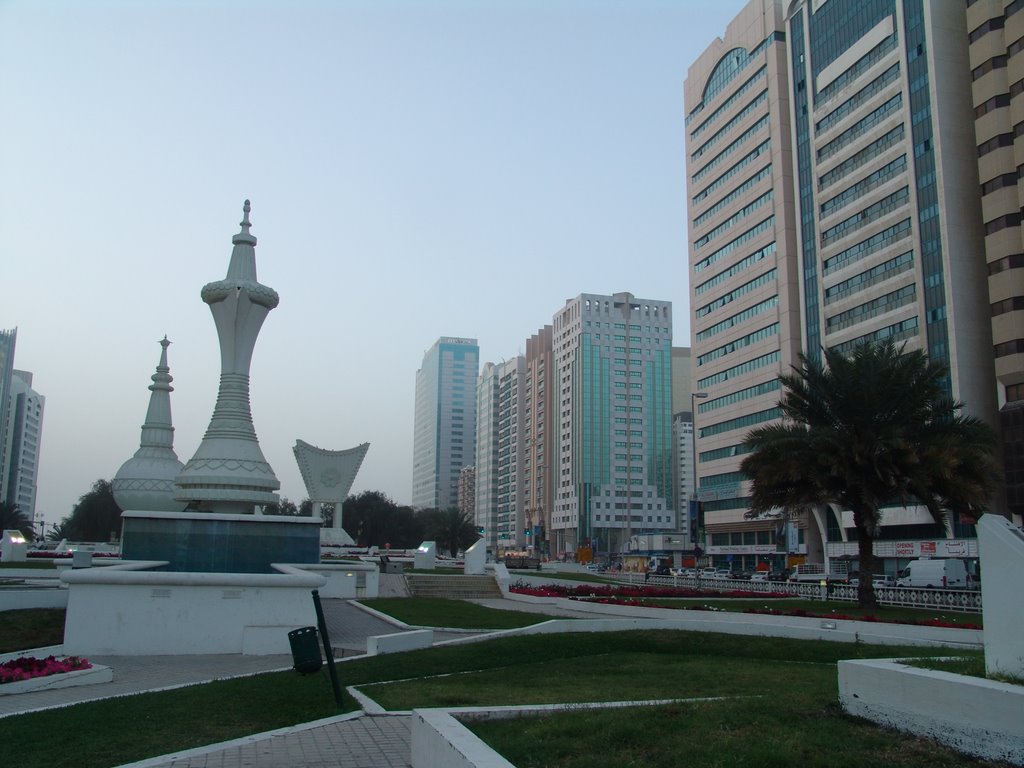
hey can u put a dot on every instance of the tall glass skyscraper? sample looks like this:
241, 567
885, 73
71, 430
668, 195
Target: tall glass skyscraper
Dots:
444, 433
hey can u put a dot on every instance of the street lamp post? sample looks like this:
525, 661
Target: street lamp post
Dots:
694, 396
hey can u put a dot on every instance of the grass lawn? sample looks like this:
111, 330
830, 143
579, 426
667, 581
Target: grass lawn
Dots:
458, 614
786, 713
823, 607
29, 564
592, 578
31, 628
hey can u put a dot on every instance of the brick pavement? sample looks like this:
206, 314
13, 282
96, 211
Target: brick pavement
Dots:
368, 741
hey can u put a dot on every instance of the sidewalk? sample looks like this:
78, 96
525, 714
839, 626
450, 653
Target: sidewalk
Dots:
347, 741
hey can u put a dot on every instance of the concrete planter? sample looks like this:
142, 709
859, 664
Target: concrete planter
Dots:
972, 715
96, 674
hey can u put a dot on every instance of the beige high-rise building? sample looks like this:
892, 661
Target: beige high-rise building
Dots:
744, 292
538, 470
996, 39
833, 183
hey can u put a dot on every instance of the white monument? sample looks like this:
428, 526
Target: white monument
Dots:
146, 481
328, 476
476, 559
228, 477
213, 578
1001, 546
228, 472
426, 556
13, 547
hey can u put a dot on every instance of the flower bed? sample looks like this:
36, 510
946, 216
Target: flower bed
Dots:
605, 593
638, 595
46, 554
29, 667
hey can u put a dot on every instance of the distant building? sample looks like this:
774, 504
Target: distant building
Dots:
744, 276
23, 443
833, 197
445, 421
514, 530
8, 341
539, 428
613, 466
467, 491
486, 452
21, 428
500, 446
995, 59
682, 436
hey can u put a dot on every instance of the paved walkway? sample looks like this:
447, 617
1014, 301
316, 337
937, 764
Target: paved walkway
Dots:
348, 741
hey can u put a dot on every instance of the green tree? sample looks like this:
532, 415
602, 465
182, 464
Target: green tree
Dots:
96, 516
868, 430
13, 519
58, 532
451, 528
373, 519
285, 508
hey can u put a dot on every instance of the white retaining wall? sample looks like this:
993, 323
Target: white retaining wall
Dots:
438, 739
399, 641
611, 617
124, 611
979, 717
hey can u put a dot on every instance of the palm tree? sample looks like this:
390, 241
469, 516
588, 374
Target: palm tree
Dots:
58, 532
865, 431
13, 519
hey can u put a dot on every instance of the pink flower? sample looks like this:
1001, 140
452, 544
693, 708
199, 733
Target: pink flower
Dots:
28, 667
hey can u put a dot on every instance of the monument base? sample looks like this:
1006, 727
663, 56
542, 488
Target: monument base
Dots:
207, 542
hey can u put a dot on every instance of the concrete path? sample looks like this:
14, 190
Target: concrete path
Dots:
348, 741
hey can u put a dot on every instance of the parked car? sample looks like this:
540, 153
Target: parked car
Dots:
759, 576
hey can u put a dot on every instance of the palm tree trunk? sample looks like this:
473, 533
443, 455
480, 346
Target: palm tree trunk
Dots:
866, 556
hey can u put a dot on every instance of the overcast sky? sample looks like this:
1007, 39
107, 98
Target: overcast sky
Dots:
416, 170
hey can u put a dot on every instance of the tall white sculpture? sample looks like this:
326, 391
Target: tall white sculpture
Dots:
146, 480
228, 472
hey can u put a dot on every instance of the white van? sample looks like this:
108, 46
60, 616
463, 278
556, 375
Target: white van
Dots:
941, 573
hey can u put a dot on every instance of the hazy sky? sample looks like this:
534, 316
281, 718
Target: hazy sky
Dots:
416, 170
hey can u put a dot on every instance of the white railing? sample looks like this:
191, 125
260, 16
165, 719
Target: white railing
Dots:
960, 600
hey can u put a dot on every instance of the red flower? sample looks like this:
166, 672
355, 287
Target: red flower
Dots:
28, 667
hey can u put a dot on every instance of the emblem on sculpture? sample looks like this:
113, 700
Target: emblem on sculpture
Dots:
330, 477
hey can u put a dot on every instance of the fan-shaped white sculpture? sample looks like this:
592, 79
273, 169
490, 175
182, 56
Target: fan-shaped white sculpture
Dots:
328, 476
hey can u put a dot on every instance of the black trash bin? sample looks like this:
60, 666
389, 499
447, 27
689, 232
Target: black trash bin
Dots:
305, 650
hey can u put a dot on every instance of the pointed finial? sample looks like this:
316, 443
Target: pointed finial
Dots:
245, 215
165, 343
